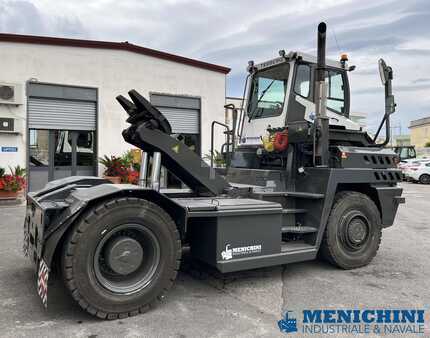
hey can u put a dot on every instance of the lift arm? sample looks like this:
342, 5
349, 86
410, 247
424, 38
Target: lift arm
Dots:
150, 131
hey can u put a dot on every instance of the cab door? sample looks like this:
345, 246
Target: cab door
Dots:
302, 100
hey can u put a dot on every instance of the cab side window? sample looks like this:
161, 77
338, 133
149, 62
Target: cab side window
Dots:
303, 79
335, 92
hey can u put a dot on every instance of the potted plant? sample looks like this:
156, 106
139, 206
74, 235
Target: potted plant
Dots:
11, 184
132, 177
114, 168
132, 168
218, 159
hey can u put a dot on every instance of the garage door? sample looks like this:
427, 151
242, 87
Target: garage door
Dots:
47, 113
182, 121
182, 112
62, 132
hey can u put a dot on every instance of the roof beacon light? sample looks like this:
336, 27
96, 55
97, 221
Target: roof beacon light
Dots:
343, 57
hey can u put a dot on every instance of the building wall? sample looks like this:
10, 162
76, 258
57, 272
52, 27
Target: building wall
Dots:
228, 112
420, 135
401, 140
112, 72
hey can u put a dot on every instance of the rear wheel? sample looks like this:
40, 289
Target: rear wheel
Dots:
353, 232
425, 179
121, 257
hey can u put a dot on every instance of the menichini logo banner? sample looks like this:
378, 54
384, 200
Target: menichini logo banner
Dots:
357, 321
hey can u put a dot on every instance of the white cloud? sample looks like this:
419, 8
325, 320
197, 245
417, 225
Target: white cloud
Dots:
232, 32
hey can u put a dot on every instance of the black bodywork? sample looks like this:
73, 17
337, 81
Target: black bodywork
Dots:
247, 218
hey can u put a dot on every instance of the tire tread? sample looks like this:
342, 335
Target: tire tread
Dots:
79, 230
327, 251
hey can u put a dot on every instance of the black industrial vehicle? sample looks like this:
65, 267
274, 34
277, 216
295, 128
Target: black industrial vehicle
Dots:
301, 180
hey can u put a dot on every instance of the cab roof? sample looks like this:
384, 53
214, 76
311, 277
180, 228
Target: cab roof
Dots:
291, 56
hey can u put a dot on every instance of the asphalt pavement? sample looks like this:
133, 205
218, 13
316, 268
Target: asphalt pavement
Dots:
244, 304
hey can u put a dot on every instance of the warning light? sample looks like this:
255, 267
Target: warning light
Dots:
343, 57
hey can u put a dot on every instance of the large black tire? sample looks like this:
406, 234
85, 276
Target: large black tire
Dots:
353, 232
97, 286
425, 179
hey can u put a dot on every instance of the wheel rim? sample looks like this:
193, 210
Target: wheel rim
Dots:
425, 179
354, 231
126, 259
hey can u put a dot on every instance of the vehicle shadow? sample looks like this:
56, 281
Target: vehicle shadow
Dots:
61, 305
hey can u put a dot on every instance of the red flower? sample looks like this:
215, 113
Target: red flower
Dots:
131, 176
12, 183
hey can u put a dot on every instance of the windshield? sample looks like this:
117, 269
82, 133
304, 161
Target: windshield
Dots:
405, 152
268, 88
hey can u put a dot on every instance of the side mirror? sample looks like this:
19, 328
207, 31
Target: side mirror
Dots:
384, 71
382, 66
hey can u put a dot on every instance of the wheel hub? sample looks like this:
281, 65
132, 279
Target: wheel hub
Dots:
124, 255
357, 231
126, 258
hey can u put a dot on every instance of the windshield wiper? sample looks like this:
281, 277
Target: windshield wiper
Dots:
259, 100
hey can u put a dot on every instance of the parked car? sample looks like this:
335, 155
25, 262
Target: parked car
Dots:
404, 165
419, 172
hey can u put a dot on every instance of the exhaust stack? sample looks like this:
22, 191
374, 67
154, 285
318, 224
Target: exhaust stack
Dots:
321, 155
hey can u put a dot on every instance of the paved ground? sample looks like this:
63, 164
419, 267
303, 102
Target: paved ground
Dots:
240, 304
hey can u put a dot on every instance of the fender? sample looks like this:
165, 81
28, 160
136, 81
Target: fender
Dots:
329, 181
389, 199
80, 200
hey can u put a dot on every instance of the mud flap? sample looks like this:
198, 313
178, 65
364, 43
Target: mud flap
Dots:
42, 282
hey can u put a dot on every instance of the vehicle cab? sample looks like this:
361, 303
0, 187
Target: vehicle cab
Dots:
280, 92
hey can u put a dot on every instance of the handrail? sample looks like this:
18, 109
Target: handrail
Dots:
242, 109
234, 124
212, 140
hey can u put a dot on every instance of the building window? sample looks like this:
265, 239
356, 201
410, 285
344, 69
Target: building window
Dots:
39, 148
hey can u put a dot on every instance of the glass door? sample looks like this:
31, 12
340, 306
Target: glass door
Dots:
74, 153
38, 161
62, 150
86, 161
55, 154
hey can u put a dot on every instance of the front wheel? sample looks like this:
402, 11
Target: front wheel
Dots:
353, 232
121, 257
425, 179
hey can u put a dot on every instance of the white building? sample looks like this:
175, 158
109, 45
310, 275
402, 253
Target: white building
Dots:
58, 111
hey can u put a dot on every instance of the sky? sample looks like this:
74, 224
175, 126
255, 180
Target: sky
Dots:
230, 33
